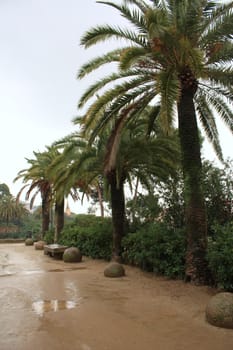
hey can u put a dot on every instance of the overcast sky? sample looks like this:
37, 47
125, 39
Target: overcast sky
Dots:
39, 59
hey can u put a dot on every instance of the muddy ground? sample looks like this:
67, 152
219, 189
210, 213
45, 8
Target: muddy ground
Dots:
47, 304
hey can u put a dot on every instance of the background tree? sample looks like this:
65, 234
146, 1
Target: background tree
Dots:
218, 191
11, 210
40, 179
4, 190
36, 182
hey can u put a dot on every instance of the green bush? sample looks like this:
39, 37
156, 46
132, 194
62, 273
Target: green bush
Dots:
157, 248
48, 237
13, 235
220, 256
91, 234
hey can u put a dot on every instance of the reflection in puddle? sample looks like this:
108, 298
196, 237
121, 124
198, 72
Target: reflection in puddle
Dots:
6, 274
42, 306
68, 269
3, 273
31, 272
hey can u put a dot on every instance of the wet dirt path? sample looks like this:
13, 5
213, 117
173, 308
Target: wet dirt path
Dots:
50, 305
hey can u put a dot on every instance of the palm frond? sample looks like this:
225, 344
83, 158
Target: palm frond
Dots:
223, 110
98, 62
103, 33
207, 120
220, 53
132, 15
168, 86
123, 102
104, 101
94, 89
218, 25
142, 5
221, 76
132, 56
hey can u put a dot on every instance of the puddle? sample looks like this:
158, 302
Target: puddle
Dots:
67, 269
42, 306
85, 347
29, 272
6, 274
33, 272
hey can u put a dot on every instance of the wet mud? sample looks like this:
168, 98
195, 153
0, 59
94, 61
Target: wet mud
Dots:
48, 304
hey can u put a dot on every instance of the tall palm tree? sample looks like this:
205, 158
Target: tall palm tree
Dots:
180, 53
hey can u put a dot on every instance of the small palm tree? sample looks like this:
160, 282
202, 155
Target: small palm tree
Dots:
36, 182
134, 155
41, 180
67, 172
11, 210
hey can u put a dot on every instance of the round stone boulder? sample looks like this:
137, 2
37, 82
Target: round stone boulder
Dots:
219, 311
29, 241
39, 245
114, 269
72, 254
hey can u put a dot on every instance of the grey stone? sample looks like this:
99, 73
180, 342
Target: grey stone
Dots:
39, 245
114, 269
72, 254
219, 311
29, 241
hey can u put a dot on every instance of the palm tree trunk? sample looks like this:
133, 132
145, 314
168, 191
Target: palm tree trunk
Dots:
59, 219
196, 221
45, 215
100, 198
118, 213
134, 201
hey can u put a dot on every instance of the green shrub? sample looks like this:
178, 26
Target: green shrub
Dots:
91, 234
48, 237
13, 235
157, 248
220, 256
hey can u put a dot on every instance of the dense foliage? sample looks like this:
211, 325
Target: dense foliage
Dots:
218, 191
154, 247
220, 256
158, 248
91, 234
166, 203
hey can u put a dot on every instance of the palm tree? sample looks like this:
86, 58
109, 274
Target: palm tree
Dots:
4, 190
42, 181
36, 182
180, 53
137, 155
137, 158
57, 194
10, 209
67, 172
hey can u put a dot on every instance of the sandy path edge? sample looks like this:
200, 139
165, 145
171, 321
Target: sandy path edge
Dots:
138, 311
